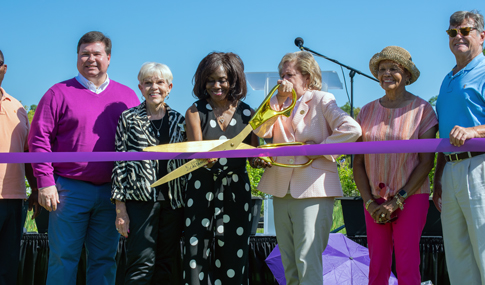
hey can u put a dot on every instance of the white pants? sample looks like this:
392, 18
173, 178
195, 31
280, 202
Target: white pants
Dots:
463, 220
302, 229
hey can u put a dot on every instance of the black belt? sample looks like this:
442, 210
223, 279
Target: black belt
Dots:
462, 155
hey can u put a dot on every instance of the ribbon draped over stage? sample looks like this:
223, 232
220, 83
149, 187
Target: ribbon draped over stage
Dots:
400, 146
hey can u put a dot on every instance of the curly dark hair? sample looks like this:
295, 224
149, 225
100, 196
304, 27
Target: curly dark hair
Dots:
234, 68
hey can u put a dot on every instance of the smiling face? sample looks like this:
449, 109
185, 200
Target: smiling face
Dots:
465, 48
291, 73
392, 76
155, 89
217, 85
93, 62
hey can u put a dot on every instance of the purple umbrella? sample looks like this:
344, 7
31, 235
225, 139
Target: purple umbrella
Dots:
344, 262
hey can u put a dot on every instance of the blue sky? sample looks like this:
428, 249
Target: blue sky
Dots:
39, 39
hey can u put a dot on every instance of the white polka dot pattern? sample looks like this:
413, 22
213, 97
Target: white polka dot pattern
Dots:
209, 196
220, 229
247, 112
213, 123
226, 219
233, 122
230, 273
194, 241
193, 264
205, 223
240, 231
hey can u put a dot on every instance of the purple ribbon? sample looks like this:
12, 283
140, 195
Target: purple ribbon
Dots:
408, 146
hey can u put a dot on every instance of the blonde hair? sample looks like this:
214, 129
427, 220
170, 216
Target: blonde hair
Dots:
155, 68
306, 64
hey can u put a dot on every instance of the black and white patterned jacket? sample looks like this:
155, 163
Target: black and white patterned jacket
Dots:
131, 180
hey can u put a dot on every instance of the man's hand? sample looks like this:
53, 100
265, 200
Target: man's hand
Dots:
33, 203
437, 190
459, 135
49, 198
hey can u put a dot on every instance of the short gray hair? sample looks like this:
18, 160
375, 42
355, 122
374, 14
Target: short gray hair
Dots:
306, 64
458, 17
155, 68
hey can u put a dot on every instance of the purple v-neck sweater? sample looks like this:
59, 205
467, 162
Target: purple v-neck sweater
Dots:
70, 118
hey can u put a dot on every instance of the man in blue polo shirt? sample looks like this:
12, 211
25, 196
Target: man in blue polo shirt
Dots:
459, 187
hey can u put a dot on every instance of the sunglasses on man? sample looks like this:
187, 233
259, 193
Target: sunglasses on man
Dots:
465, 31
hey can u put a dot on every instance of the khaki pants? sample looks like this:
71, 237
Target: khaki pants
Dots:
302, 229
463, 220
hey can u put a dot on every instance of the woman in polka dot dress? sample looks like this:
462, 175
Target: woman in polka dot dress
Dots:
218, 197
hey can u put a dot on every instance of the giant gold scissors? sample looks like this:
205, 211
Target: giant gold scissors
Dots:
263, 113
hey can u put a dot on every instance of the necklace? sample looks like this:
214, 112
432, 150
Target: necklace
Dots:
220, 117
153, 124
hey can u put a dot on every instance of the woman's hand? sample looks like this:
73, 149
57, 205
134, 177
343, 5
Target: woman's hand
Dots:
284, 91
122, 222
382, 213
211, 162
256, 162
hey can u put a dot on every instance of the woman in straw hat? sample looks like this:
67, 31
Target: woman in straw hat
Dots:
395, 186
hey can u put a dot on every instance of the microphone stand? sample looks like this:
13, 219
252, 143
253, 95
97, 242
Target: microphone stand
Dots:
352, 73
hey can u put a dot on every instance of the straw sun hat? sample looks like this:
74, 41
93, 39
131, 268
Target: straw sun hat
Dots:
396, 54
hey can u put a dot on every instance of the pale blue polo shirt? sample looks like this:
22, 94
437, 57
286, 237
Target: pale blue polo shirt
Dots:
461, 99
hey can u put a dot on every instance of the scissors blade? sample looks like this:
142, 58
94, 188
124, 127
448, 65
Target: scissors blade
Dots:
192, 146
194, 164
181, 171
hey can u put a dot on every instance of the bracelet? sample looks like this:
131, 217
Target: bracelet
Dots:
367, 204
399, 203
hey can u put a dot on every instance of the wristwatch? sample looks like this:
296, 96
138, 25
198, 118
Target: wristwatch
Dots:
402, 193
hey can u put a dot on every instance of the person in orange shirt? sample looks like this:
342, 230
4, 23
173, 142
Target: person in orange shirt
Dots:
14, 127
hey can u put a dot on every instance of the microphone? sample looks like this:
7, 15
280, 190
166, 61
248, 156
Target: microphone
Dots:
299, 43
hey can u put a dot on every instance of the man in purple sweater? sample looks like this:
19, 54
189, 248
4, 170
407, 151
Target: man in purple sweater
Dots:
80, 115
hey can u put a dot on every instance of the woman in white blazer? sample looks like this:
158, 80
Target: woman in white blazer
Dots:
304, 197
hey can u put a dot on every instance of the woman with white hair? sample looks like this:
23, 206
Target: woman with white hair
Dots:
151, 219
304, 197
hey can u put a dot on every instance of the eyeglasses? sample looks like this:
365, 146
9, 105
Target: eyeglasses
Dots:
465, 31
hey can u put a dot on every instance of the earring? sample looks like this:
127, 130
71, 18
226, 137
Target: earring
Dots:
408, 82
205, 93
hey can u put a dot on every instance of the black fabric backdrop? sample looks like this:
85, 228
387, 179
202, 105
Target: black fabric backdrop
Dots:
34, 255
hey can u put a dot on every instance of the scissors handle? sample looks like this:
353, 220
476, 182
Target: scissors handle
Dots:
273, 162
264, 112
